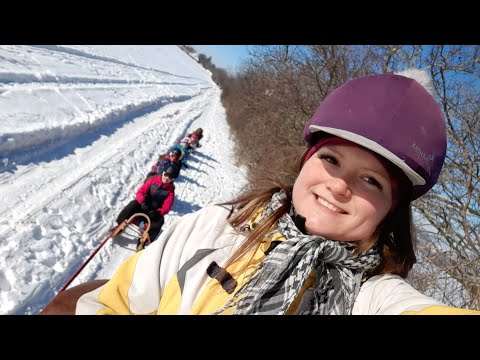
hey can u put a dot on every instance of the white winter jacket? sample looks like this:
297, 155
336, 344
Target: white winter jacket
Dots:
182, 273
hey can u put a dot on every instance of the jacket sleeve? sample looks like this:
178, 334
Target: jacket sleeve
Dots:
441, 310
392, 295
111, 298
142, 192
165, 162
167, 204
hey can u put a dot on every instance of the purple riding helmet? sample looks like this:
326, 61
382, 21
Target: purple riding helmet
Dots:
391, 115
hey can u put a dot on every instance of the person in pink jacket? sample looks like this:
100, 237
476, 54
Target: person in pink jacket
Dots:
155, 199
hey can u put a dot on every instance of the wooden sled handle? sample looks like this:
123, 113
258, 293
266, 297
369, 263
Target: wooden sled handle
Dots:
142, 240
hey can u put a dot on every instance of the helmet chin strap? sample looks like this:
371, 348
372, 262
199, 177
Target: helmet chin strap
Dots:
299, 220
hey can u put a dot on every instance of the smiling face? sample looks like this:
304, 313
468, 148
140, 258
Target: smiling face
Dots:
344, 192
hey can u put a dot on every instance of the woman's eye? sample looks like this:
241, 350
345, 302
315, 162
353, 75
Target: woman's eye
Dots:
373, 181
331, 159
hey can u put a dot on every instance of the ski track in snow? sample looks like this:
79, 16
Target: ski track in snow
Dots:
69, 212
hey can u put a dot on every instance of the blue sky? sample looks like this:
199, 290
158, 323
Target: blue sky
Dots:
225, 56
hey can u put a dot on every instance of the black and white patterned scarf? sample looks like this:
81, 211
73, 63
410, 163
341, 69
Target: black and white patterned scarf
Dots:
272, 287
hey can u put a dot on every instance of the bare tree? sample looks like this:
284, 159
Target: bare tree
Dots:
451, 211
278, 90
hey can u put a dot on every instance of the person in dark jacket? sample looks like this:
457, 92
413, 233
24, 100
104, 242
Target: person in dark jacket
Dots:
172, 158
155, 199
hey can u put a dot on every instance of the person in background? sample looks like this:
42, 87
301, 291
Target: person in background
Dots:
154, 198
185, 148
199, 133
338, 239
194, 139
172, 158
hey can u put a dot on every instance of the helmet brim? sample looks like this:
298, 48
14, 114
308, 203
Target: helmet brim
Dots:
415, 178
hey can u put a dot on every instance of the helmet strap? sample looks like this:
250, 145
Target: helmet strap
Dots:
299, 220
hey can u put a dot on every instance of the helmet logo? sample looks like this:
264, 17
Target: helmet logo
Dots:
428, 159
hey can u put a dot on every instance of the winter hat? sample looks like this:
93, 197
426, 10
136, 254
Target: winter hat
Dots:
176, 152
398, 179
170, 172
392, 115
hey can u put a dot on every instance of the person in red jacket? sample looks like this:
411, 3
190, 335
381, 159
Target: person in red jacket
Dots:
155, 199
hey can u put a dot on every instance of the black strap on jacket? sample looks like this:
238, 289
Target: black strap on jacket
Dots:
224, 278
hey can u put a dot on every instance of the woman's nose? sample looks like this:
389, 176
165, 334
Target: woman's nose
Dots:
339, 187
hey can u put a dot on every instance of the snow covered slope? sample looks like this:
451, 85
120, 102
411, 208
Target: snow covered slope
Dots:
80, 127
